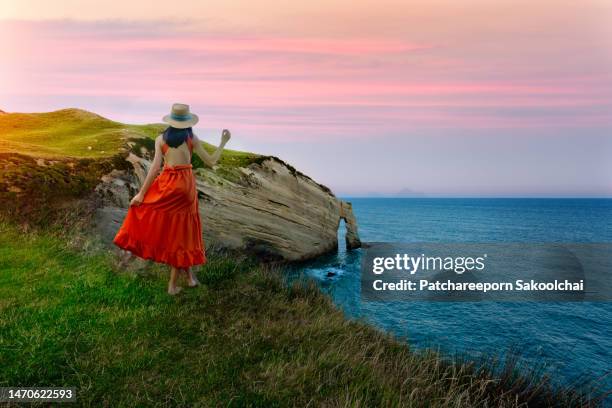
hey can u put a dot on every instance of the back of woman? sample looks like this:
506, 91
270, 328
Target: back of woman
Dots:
163, 221
177, 146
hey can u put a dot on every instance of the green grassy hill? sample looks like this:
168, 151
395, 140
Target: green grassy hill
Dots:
67, 133
75, 133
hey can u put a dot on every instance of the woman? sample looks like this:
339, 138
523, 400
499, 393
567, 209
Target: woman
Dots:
163, 222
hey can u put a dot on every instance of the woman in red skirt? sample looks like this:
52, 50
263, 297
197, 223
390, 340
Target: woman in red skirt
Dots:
163, 222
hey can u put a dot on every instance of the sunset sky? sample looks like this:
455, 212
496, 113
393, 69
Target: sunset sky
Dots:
440, 97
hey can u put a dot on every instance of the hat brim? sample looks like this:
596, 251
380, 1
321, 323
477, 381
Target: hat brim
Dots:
181, 124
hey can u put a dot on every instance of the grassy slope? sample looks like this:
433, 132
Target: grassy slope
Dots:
70, 133
68, 318
67, 132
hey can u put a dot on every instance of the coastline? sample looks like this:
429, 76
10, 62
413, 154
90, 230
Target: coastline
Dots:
566, 331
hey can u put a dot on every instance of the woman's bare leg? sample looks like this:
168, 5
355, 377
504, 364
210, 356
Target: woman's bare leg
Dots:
172, 288
191, 278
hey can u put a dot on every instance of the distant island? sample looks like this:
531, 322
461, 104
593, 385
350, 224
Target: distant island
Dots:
403, 193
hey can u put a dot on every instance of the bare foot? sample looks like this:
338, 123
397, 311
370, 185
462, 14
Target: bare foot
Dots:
124, 258
174, 291
192, 280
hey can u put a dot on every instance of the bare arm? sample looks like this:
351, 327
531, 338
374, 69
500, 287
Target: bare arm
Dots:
153, 171
211, 159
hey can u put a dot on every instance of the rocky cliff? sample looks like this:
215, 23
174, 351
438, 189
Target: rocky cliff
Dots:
267, 209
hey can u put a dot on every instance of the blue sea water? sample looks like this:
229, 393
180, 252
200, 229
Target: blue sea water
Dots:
573, 340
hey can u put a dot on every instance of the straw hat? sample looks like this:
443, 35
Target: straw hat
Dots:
180, 117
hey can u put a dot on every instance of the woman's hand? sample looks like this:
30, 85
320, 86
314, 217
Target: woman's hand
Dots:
225, 136
137, 200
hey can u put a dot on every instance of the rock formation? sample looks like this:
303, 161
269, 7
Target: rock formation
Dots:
267, 209
250, 203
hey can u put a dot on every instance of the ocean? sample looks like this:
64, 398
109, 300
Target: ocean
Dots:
571, 340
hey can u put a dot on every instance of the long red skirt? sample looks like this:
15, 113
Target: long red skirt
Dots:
166, 227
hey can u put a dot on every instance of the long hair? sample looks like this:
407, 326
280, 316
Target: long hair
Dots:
175, 137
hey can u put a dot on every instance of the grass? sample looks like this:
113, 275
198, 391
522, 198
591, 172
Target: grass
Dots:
33, 191
75, 133
70, 317
66, 132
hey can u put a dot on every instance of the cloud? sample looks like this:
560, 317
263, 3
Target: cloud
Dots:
309, 85
416, 76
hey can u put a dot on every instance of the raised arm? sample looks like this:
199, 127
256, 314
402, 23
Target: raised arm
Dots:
211, 159
153, 170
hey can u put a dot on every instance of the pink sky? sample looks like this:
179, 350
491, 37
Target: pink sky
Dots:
358, 78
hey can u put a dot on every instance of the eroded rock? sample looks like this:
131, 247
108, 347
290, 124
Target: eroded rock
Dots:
266, 209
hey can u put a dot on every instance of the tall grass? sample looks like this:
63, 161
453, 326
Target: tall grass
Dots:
73, 317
